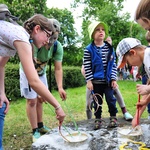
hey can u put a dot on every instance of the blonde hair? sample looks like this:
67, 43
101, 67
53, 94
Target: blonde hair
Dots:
143, 11
40, 20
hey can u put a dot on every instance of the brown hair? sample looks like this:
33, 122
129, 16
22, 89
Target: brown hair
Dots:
143, 11
40, 20
147, 36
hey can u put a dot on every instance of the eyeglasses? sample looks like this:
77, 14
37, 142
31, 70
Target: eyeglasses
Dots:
47, 33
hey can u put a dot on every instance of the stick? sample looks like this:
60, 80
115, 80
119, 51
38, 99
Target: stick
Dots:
138, 111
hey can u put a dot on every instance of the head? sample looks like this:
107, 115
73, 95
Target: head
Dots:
55, 35
5, 14
129, 51
142, 15
147, 36
109, 40
40, 29
97, 27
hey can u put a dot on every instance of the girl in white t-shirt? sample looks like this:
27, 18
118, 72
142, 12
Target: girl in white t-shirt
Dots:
14, 38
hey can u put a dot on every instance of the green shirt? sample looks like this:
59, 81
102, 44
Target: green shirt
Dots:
43, 55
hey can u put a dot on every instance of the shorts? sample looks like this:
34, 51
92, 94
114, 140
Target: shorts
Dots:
25, 89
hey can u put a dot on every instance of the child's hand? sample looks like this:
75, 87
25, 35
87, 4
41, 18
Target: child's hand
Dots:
141, 103
89, 85
114, 84
143, 89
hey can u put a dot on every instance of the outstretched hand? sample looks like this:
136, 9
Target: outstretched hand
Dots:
60, 115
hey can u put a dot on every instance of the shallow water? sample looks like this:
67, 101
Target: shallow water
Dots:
76, 137
102, 139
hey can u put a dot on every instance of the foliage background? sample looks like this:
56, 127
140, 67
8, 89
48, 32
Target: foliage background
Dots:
108, 11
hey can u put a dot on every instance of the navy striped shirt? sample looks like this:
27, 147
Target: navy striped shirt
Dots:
103, 52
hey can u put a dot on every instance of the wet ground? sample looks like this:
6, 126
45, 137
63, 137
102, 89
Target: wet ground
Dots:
102, 139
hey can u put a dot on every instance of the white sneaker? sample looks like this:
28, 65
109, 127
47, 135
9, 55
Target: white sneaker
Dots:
128, 116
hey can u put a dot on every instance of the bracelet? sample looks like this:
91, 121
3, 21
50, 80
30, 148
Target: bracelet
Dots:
57, 107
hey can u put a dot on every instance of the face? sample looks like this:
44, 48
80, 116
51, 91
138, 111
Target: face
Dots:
99, 33
145, 25
132, 58
54, 37
40, 36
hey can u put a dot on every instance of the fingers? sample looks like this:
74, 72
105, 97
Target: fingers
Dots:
60, 123
7, 109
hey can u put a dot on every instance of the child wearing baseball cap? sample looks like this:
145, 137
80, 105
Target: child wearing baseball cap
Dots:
132, 52
101, 72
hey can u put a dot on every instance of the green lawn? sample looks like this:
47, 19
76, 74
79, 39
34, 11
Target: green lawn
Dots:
17, 131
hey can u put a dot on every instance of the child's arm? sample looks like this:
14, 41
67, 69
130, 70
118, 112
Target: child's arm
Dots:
141, 105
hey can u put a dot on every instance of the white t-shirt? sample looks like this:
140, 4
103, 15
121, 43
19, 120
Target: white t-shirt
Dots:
8, 34
146, 61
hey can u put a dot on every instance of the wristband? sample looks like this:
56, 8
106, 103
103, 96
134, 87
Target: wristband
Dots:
57, 107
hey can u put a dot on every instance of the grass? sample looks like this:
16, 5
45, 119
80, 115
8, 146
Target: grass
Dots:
17, 130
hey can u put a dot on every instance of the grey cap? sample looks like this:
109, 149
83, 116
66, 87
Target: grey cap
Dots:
123, 47
4, 8
56, 24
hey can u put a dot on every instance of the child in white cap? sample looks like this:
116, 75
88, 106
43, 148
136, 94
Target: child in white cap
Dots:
131, 51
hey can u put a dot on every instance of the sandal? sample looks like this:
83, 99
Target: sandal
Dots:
113, 122
98, 124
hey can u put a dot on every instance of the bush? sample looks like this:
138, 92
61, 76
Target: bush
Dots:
72, 77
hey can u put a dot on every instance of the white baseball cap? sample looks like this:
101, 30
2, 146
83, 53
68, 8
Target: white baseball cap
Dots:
123, 47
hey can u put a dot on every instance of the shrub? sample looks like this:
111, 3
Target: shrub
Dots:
72, 77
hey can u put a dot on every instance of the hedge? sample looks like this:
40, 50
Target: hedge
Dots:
72, 77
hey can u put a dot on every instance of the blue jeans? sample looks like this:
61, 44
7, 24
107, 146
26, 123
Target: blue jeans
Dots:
110, 99
2, 116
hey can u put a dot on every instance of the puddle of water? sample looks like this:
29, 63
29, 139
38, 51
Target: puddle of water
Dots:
54, 140
76, 137
100, 139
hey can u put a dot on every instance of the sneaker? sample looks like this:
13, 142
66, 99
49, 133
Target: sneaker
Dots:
113, 122
35, 136
43, 130
97, 125
128, 116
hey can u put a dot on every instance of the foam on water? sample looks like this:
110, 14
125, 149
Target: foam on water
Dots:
53, 140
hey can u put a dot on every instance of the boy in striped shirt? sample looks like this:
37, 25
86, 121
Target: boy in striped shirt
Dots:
101, 71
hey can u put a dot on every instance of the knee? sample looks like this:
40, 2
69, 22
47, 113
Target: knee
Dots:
31, 103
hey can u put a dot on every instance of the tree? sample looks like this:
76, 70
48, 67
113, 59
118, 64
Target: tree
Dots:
108, 11
68, 36
24, 9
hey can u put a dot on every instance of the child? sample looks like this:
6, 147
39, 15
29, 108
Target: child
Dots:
14, 38
127, 116
34, 107
101, 71
130, 50
145, 77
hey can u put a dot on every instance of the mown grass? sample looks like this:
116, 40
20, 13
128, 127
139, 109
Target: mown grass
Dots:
17, 130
